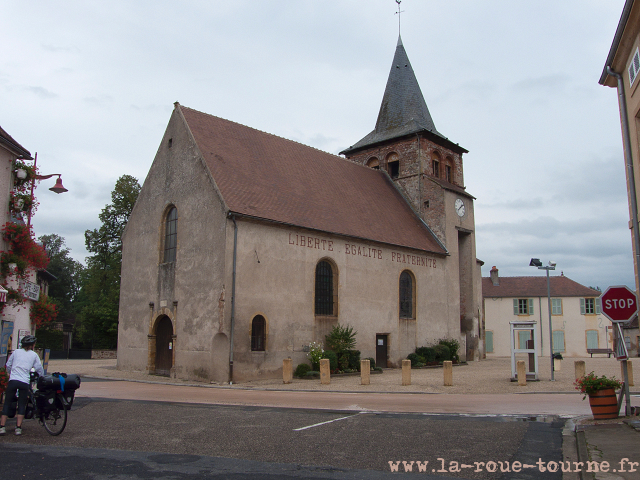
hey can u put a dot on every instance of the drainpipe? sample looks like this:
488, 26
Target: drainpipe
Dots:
233, 297
631, 181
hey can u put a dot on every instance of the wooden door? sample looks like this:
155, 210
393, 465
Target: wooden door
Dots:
164, 352
381, 351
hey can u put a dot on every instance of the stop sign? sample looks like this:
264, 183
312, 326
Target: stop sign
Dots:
619, 304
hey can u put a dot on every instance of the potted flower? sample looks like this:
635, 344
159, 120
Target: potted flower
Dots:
602, 394
557, 360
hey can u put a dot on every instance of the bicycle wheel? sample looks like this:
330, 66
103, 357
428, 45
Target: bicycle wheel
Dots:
55, 420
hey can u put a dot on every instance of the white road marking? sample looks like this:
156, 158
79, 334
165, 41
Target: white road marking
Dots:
324, 423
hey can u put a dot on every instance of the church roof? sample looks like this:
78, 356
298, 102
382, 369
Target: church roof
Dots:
267, 177
403, 110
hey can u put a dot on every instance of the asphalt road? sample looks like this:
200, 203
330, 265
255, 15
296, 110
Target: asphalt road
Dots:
128, 439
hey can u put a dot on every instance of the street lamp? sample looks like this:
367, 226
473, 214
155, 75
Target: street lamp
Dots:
535, 262
57, 188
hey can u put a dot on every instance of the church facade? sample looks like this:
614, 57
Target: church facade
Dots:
244, 247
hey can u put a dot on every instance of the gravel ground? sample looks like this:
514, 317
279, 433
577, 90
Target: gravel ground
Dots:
488, 376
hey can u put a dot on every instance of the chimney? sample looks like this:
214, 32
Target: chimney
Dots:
494, 276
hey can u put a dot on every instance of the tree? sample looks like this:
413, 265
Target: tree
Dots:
99, 295
64, 289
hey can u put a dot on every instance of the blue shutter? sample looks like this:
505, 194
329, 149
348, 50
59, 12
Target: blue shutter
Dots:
558, 341
515, 306
531, 306
488, 341
592, 339
598, 306
583, 308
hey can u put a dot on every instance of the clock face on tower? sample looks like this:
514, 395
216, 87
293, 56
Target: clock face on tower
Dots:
459, 206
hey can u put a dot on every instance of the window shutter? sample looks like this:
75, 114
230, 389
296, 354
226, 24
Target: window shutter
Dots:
531, 306
558, 341
515, 306
592, 339
488, 341
598, 306
583, 308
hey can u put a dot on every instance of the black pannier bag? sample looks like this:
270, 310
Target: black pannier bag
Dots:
59, 381
46, 400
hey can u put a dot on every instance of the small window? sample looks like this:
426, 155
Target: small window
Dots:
171, 235
170, 142
488, 341
449, 173
590, 306
523, 306
556, 306
325, 301
435, 168
558, 341
407, 295
258, 334
373, 163
634, 67
394, 169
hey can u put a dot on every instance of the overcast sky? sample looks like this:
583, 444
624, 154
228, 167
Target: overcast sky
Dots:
90, 86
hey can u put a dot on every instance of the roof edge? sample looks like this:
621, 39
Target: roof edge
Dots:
622, 24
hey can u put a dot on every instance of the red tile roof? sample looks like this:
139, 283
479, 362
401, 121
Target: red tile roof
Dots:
268, 177
523, 287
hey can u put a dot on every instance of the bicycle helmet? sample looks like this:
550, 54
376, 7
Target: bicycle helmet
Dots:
28, 340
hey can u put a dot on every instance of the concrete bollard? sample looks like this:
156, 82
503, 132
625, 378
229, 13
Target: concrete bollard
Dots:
448, 373
287, 370
325, 376
365, 372
580, 368
406, 372
522, 373
629, 372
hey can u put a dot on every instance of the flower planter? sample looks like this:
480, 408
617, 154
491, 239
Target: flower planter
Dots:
604, 404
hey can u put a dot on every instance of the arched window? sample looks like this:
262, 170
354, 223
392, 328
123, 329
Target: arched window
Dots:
258, 334
407, 295
326, 287
448, 170
393, 165
373, 163
171, 235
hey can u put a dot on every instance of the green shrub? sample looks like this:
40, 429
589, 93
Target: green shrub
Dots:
341, 339
333, 359
302, 369
372, 362
454, 347
316, 353
343, 361
354, 359
415, 359
442, 352
428, 353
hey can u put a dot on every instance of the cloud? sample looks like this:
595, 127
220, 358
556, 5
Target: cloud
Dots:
41, 92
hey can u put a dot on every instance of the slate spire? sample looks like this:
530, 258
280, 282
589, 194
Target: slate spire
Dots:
403, 110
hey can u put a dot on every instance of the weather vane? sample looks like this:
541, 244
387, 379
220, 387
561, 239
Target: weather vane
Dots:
398, 13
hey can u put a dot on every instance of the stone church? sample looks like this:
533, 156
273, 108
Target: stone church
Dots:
244, 247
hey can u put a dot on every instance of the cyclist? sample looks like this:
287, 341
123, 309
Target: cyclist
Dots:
19, 365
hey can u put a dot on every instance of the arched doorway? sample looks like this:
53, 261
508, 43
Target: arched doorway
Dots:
164, 347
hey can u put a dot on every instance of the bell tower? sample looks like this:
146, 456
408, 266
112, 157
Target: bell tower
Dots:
427, 169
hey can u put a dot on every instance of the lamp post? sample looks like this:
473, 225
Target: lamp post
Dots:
57, 188
535, 262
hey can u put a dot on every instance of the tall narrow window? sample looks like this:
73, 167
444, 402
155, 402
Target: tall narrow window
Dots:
171, 235
258, 334
324, 289
435, 167
406, 295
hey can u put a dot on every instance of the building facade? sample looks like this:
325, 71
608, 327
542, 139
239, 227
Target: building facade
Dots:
622, 71
577, 320
244, 247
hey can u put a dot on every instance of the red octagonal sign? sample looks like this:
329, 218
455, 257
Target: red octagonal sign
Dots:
619, 304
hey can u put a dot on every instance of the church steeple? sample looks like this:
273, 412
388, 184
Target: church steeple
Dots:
403, 110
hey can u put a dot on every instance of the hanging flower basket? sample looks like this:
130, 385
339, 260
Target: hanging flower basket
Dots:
24, 174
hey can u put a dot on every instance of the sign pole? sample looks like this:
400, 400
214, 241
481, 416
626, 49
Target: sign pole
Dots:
627, 405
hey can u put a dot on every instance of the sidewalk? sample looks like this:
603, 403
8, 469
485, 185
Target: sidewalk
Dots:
585, 440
